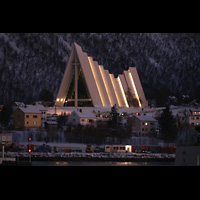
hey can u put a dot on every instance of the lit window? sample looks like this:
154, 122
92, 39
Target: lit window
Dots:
58, 100
145, 123
61, 100
197, 123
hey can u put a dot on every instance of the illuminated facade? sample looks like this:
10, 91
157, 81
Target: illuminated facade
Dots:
88, 84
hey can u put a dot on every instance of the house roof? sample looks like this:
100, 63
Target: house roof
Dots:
32, 109
146, 118
85, 113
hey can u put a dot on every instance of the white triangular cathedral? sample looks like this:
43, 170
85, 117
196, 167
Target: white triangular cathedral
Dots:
88, 84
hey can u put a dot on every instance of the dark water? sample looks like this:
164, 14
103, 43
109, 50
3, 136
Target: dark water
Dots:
100, 163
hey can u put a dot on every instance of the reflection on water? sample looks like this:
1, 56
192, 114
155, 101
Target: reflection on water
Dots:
100, 163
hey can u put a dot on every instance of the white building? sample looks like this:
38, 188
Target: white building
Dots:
189, 116
193, 116
82, 117
87, 84
144, 125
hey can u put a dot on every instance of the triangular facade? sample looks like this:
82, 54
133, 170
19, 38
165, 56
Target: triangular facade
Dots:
87, 84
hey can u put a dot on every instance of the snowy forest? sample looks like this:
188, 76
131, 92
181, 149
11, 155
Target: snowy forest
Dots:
167, 63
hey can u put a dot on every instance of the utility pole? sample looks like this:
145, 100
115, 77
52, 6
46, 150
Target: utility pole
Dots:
29, 149
76, 81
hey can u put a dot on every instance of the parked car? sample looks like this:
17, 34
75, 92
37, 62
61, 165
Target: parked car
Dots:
88, 148
97, 149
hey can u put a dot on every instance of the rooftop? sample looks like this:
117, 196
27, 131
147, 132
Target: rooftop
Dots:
147, 118
85, 113
32, 108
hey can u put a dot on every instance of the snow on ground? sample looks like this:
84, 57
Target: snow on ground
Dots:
147, 111
91, 155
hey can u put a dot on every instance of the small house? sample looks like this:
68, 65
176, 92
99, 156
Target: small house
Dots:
29, 116
144, 125
82, 117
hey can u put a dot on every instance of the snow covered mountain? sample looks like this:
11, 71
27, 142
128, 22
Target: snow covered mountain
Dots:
167, 63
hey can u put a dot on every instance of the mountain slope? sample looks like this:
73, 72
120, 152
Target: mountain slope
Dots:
167, 63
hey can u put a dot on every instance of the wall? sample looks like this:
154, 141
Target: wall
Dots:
31, 121
187, 156
18, 117
21, 120
147, 128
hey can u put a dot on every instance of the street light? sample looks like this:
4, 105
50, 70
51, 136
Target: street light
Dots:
29, 148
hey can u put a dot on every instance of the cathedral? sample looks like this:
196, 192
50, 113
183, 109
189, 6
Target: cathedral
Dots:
88, 84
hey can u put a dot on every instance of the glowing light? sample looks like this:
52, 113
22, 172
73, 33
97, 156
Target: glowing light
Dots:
123, 93
61, 100
112, 80
105, 83
58, 100
136, 94
97, 83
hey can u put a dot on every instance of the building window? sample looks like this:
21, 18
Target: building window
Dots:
82, 120
27, 116
34, 116
197, 123
90, 120
27, 122
145, 123
197, 117
35, 122
152, 123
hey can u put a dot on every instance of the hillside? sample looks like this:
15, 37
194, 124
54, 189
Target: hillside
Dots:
167, 63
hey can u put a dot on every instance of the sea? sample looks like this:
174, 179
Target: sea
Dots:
99, 163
